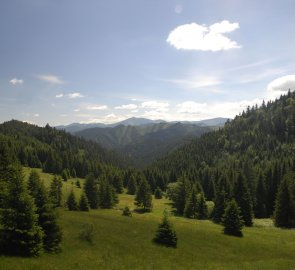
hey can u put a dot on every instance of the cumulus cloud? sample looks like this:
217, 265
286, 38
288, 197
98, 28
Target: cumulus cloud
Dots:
16, 81
158, 106
51, 79
191, 107
204, 38
75, 95
126, 107
59, 95
280, 86
97, 107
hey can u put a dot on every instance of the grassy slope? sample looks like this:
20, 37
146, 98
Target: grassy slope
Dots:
125, 243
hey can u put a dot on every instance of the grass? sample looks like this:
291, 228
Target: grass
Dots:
125, 243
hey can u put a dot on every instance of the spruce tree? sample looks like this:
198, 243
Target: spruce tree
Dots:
158, 193
71, 202
243, 199
126, 212
20, 233
132, 185
284, 213
260, 202
143, 196
190, 210
91, 191
55, 192
202, 209
232, 219
47, 215
83, 203
165, 234
106, 194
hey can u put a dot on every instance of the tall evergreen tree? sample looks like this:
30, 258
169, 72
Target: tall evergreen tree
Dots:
91, 191
83, 203
284, 214
72, 202
20, 233
232, 220
243, 199
132, 185
202, 209
55, 192
106, 194
190, 210
261, 200
158, 193
165, 234
143, 196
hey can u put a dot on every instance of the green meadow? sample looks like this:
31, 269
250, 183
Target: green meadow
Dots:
120, 242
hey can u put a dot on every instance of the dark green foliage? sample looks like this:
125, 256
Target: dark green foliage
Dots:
143, 196
132, 185
261, 200
211, 190
78, 184
126, 212
117, 182
232, 220
20, 233
202, 209
83, 203
72, 202
284, 214
47, 216
65, 175
107, 194
179, 193
55, 192
191, 206
158, 193
165, 234
87, 233
243, 199
91, 191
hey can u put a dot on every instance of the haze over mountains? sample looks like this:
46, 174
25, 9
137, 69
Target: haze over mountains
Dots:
143, 140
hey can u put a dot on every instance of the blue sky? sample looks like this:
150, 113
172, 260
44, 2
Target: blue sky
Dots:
65, 61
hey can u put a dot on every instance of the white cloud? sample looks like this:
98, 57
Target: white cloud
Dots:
51, 79
16, 81
76, 110
126, 107
75, 95
201, 37
155, 105
191, 107
205, 81
280, 86
97, 107
59, 95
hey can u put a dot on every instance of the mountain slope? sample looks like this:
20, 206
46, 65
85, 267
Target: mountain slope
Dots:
145, 143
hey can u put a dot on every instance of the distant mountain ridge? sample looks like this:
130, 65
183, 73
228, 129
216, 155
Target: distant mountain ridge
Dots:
134, 121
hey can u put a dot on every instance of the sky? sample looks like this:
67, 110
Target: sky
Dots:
65, 61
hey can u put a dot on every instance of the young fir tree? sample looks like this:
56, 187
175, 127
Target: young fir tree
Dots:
55, 192
20, 233
126, 212
47, 216
243, 199
132, 185
232, 220
106, 194
91, 191
72, 202
190, 210
83, 203
202, 209
284, 213
165, 234
143, 196
158, 193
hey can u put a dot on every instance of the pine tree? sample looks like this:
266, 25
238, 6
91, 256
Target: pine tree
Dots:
190, 210
243, 199
132, 185
106, 194
232, 220
284, 214
20, 233
83, 203
158, 193
165, 234
179, 198
143, 196
47, 216
55, 192
91, 191
202, 209
260, 202
71, 202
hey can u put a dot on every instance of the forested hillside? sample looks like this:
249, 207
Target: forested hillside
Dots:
145, 143
258, 145
55, 150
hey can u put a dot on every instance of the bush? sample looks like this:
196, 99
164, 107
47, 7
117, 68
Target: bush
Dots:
126, 212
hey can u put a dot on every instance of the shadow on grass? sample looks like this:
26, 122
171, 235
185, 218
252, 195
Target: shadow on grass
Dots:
141, 211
